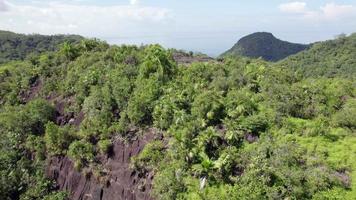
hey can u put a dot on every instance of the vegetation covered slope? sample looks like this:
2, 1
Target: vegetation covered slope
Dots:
264, 45
331, 58
15, 46
237, 129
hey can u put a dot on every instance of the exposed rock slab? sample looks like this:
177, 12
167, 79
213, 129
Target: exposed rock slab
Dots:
119, 182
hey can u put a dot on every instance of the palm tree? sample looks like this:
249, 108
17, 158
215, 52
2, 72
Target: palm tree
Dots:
69, 51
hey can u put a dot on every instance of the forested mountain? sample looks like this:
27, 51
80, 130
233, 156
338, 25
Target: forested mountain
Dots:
330, 58
264, 45
125, 122
15, 46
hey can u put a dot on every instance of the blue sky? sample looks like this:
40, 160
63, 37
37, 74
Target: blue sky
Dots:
208, 26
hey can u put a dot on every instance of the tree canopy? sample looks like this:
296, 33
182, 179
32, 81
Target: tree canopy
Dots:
235, 129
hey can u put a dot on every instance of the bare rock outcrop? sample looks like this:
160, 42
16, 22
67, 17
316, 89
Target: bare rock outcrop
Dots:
120, 181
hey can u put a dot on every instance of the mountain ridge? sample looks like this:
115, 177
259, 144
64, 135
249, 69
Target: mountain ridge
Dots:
329, 58
17, 46
265, 45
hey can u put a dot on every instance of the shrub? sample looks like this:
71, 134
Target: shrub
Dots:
241, 103
104, 146
158, 63
164, 112
306, 127
37, 145
39, 112
208, 106
141, 104
56, 196
149, 157
57, 138
69, 50
346, 117
98, 112
81, 152
168, 182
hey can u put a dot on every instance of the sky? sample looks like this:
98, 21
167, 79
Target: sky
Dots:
207, 26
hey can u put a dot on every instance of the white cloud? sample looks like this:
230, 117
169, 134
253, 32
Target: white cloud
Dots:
293, 7
334, 11
90, 20
3, 6
328, 12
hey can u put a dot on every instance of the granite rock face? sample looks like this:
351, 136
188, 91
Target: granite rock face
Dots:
118, 181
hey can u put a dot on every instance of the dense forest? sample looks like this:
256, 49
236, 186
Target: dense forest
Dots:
15, 46
332, 58
264, 45
237, 128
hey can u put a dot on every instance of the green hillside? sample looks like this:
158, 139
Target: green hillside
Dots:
331, 58
264, 45
15, 46
235, 129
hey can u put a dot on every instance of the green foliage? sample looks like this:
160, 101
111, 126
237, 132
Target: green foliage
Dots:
69, 51
37, 145
21, 130
141, 103
149, 157
333, 58
233, 129
241, 103
346, 117
157, 63
334, 194
19, 46
97, 108
39, 188
156, 69
22, 121
208, 106
81, 152
104, 146
168, 182
306, 127
164, 111
57, 139
56, 196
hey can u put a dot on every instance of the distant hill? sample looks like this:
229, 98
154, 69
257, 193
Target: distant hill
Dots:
265, 45
15, 46
330, 58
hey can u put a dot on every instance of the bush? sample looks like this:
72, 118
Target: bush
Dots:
37, 188
163, 114
158, 64
57, 139
141, 104
168, 182
104, 146
37, 145
149, 157
208, 106
346, 117
241, 103
81, 152
70, 51
98, 112
306, 127
56, 196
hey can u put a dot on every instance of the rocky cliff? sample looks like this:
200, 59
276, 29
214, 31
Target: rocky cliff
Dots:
117, 181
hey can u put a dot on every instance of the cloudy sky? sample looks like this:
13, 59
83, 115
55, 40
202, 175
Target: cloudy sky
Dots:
208, 26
